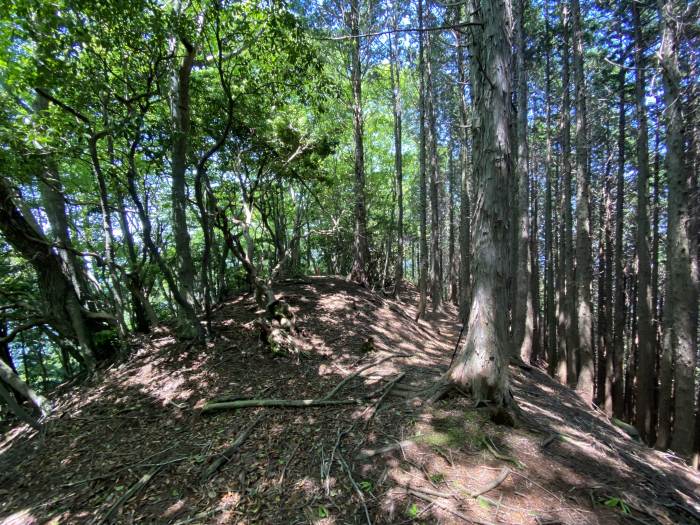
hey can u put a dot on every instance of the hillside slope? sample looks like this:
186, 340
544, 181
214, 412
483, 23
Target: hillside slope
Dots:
132, 446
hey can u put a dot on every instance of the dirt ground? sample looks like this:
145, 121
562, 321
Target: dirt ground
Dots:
132, 445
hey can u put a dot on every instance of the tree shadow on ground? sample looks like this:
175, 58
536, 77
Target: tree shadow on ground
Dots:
143, 415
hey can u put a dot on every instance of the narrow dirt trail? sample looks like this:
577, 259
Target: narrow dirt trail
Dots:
132, 446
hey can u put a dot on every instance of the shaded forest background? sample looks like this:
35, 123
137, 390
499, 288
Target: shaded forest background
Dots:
156, 159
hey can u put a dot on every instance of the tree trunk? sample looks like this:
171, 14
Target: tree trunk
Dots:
523, 314
619, 325
464, 209
395, 66
584, 263
566, 369
646, 348
180, 114
433, 166
481, 364
680, 323
422, 206
62, 306
359, 273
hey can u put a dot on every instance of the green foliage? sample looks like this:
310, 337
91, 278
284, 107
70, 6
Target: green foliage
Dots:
412, 511
617, 503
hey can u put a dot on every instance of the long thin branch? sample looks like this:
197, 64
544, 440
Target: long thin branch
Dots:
403, 30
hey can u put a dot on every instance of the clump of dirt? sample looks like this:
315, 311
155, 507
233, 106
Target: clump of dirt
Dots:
132, 446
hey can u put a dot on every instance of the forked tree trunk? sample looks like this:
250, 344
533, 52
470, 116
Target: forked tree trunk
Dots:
481, 364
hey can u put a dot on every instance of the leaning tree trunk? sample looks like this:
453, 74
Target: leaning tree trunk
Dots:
481, 364
680, 325
360, 261
61, 305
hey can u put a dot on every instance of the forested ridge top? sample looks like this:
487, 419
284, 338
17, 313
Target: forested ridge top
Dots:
567, 464
533, 164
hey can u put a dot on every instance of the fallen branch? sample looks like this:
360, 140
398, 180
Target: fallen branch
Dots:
225, 456
133, 490
368, 452
422, 494
288, 403
491, 448
495, 483
355, 374
286, 463
357, 489
375, 407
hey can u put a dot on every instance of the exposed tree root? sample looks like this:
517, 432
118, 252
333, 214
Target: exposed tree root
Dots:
495, 483
288, 403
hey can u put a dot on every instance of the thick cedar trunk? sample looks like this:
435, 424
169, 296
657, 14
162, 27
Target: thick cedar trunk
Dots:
523, 314
646, 347
584, 272
359, 272
481, 364
617, 356
680, 322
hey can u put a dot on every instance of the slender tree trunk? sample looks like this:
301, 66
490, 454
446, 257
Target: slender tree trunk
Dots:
567, 318
423, 201
433, 166
619, 325
481, 364
646, 347
464, 209
452, 256
584, 264
523, 314
395, 67
359, 272
550, 307
680, 329
180, 114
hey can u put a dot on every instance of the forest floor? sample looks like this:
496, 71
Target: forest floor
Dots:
131, 446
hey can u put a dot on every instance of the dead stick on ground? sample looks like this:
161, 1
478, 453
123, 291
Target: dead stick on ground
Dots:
225, 456
357, 489
288, 403
419, 493
355, 374
374, 408
495, 483
286, 464
136, 487
368, 453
